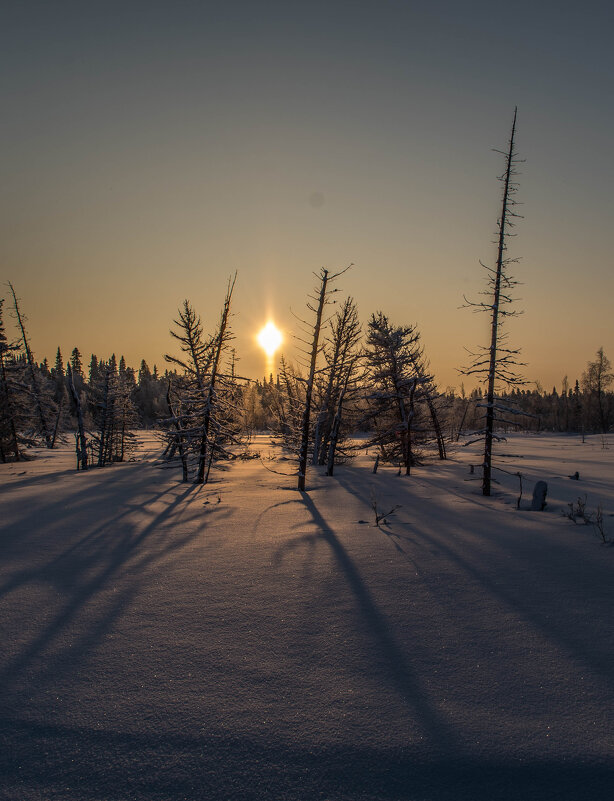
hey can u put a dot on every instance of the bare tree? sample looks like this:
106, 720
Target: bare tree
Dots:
498, 363
316, 304
203, 401
81, 438
340, 353
222, 339
41, 400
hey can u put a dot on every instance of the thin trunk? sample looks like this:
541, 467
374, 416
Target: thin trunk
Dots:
30, 362
179, 441
210, 401
460, 427
410, 417
334, 432
441, 445
304, 446
494, 335
9, 410
57, 422
82, 442
103, 427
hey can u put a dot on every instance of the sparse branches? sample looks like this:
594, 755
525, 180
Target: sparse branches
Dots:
498, 363
41, 400
339, 375
203, 401
316, 304
381, 516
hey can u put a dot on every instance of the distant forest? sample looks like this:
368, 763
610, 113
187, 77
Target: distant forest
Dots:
41, 403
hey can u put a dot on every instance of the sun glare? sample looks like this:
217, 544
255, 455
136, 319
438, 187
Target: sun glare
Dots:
269, 338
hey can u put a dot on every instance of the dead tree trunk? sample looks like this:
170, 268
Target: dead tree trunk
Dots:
494, 327
179, 441
30, 362
334, 432
304, 444
210, 400
441, 445
58, 418
81, 442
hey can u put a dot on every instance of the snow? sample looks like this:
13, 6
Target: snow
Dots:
244, 640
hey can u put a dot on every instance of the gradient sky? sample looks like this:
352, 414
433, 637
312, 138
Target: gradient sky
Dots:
150, 149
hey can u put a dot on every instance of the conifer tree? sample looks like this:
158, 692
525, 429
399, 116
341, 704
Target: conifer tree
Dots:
202, 399
76, 363
8, 398
595, 380
497, 363
397, 387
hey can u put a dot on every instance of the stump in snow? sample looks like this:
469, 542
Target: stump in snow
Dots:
539, 496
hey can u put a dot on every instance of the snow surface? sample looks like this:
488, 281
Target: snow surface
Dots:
244, 640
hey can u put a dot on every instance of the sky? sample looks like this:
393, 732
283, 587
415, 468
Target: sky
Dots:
150, 150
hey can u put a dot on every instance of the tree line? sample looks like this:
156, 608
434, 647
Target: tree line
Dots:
346, 380
376, 383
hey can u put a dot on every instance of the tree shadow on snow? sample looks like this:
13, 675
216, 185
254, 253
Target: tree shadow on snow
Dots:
98, 576
400, 673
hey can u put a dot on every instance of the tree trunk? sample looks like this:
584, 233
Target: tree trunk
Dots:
30, 362
334, 432
81, 442
494, 331
7, 399
441, 445
210, 402
304, 446
179, 441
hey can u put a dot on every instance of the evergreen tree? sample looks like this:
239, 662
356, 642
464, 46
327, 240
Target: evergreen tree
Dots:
397, 388
9, 397
94, 372
76, 363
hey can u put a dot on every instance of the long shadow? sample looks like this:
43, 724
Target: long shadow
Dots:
592, 651
114, 555
83, 764
400, 672
90, 497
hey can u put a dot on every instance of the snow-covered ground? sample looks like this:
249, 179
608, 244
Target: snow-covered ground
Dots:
242, 640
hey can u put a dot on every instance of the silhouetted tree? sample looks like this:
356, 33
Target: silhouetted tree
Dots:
595, 380
8, 397
394, 387
498, 363
316, 304
42, 402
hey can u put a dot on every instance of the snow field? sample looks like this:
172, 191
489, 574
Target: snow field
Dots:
159, 643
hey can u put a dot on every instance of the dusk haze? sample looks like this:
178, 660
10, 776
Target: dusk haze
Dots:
306, 401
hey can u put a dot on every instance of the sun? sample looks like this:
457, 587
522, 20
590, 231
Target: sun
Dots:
269, 338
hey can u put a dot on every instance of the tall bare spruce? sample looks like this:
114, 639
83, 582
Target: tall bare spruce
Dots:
498, 363
316, 304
